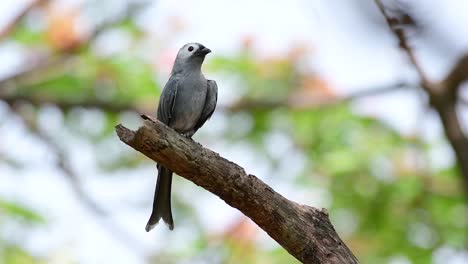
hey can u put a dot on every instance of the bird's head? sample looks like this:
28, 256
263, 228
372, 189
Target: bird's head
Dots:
190, 56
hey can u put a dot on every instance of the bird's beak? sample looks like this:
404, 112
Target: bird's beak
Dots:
204, 51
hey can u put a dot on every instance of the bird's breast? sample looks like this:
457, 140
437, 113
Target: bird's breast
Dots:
189, 103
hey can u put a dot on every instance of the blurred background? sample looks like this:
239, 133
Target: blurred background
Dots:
315, 98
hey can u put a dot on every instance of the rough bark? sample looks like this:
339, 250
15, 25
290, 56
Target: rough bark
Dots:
304, 231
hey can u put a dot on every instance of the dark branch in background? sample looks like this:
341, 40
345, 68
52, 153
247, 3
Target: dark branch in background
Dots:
75, 183
443, 95
458, 74
305, 232
67, 104
42, 66
397, 26
241, 105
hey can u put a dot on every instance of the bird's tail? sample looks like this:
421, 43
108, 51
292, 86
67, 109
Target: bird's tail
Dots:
162, 200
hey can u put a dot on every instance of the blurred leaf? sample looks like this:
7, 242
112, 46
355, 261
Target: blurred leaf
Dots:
130, 26
16, 210
16, 255
27, 36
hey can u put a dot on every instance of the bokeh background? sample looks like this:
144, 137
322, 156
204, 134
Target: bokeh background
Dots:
315, 98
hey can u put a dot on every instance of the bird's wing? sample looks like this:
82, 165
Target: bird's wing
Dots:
167, 101
210, 104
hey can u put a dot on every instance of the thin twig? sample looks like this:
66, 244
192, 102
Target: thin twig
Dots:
396, 26
67, 104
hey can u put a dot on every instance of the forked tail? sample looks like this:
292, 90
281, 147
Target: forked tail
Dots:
162, 200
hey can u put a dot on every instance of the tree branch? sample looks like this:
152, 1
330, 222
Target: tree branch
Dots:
457, 75
67, 104
305, 232
395, 26
243, 104
443, 95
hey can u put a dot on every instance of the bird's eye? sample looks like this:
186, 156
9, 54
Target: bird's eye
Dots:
190, 48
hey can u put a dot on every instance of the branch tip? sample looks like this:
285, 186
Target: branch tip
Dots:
125, 134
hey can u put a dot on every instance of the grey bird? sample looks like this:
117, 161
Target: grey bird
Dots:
186, 102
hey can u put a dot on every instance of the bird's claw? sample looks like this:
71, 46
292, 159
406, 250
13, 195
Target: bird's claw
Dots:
188, 135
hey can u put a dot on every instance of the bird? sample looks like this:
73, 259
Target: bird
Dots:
187, 101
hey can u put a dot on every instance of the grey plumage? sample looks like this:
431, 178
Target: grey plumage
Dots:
187, 101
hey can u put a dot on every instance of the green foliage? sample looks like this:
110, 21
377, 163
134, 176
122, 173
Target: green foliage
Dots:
121, 80
393, 209
9, 253
128, 25
27, 36
381, 203
271, 80
16, 255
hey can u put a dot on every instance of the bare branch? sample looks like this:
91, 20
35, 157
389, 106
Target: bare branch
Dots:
305, 232
396, 26
67, 104
442, 96
457, 75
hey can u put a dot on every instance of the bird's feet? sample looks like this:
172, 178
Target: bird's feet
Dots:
188, 134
